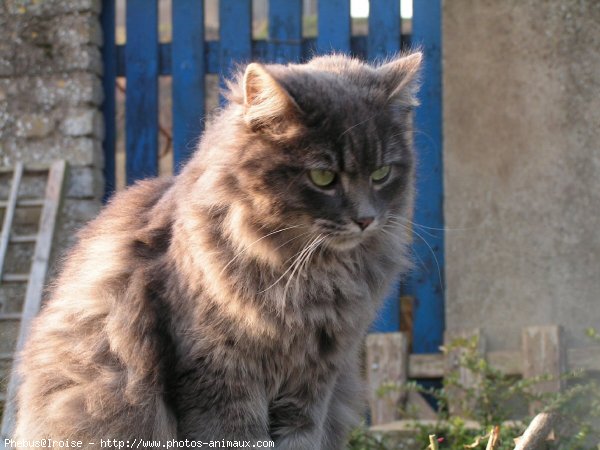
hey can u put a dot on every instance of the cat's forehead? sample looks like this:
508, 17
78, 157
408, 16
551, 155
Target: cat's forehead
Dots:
360, 147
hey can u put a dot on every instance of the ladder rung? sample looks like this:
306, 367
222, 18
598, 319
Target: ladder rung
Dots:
10, 316
6, 356
25, 202
15, 278
28, 169
23, 239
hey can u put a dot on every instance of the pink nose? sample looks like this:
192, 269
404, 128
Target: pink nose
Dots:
364, 222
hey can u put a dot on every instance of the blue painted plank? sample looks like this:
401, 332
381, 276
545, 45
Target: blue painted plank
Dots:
384, 28
235, 31
188, 68
384, 41
260, 52
334, 27
427, 283
388, 318
285, 31
141, 105
109, 59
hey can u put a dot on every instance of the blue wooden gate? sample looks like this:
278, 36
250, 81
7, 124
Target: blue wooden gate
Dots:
189, 57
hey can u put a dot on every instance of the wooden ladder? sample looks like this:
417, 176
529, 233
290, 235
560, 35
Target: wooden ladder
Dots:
35, 279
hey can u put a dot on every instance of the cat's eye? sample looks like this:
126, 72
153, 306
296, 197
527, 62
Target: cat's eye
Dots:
322, 178
380, 174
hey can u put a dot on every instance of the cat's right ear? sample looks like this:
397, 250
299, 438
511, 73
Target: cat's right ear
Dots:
269, 107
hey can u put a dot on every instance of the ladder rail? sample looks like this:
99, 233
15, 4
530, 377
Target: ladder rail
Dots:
37, 278
9, 215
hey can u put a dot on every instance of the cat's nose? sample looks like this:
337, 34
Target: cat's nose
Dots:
364, 222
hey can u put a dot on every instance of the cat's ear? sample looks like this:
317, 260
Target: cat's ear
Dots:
268, 105
401, 78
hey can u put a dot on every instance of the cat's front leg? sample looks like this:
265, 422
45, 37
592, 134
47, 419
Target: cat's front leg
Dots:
346, 408
215, 408
297, 423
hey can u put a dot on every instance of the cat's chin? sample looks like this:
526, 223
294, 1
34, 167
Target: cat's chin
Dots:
344, 244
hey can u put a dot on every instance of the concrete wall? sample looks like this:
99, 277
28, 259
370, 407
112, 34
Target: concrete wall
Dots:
522, 166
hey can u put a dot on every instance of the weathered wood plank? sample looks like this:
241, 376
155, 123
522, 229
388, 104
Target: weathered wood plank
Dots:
543, 354
426, 365
10, 214
141, 102
285, 30
188, 77
465, 378
387, 358
39, 268
584, 358
417, 404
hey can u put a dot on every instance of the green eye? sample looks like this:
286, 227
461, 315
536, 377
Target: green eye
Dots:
322, 178
381, 173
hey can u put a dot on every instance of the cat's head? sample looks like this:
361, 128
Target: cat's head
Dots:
323, 147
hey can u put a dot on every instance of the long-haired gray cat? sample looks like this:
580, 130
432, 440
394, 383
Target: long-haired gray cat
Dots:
230, 301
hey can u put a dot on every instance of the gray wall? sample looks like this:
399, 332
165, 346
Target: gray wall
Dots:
522, 166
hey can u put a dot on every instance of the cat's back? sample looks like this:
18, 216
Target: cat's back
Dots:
80, 358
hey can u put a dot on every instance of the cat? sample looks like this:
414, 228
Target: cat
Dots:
231, 301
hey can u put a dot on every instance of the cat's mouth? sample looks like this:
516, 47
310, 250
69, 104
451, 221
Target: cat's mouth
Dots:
346, 241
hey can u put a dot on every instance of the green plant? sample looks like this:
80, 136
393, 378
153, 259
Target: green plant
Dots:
493, 398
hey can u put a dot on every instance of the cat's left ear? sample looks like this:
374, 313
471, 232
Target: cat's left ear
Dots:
401, 77
270, 108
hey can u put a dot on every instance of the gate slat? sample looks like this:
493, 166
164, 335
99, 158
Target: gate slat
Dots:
285, 30
383, 41
235, 29
141, 106
334, 27
384, 28
427, 285
187, 56
109, 61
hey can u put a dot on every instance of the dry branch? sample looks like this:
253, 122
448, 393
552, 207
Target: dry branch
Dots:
537, 432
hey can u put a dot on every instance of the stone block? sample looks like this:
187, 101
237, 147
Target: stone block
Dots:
41, 45
78, 151
85, 182
50, 7
83, 122
68, 89
34, 126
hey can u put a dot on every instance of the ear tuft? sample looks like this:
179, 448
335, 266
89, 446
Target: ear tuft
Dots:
401, 78
268, 104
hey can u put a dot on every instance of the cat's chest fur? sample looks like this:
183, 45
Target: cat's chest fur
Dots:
309, 341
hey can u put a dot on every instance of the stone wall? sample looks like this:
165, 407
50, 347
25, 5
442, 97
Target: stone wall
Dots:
50, 95
522, 166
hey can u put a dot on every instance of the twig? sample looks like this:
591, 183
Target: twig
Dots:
433, 442
537, 432
494, 438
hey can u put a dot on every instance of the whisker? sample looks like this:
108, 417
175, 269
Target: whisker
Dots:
430, 249
250, 245
297, 256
